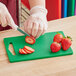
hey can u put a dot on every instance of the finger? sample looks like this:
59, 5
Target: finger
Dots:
44, 29
0, 17
10, 20
40, 30
25, 25
0, 20
29, 27
3, 21
35, 29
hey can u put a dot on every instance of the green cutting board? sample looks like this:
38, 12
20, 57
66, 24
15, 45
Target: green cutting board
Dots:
71, 8
42, 48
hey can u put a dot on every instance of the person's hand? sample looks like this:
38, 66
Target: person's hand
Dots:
36, 24
5, 17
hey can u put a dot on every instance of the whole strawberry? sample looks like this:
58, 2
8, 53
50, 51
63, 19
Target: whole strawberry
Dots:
58, 38
66, 43
55, 47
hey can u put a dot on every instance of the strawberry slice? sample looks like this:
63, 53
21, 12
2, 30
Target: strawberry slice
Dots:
27, 48
30, 39
28, 52
21, 51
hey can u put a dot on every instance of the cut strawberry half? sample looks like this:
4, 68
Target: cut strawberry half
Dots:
27, 48
21, 51
30, 39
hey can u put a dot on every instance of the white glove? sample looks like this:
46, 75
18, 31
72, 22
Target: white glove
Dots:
5, 17
36, 24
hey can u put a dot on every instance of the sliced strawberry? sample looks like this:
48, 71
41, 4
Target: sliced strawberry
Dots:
21, 51
29, 49
28, 52
30, 39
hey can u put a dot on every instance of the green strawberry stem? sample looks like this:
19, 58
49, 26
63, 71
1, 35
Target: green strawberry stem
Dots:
58, 33
64, 36
61, 34
69, 38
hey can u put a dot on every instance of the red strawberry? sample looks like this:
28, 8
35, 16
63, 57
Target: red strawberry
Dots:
30, 39
58, 38
21, 51
28, 49
55, 47
66, 43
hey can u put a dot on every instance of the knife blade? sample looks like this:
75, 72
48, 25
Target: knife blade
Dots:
22, 32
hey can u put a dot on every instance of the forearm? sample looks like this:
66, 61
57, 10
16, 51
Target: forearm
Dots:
36, 3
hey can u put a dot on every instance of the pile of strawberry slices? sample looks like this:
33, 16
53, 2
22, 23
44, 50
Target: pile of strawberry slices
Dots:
59, 41
27, 49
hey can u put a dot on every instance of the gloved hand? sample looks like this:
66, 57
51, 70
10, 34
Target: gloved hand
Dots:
36, 24
5, 17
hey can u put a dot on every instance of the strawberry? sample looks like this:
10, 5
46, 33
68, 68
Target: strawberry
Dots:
21, 51
30, 39
55, 47
66, 43
28, 49
58, 38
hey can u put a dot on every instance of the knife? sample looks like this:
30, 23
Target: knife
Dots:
21, 31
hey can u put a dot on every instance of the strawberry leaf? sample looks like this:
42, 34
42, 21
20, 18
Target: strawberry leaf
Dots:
69, 38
